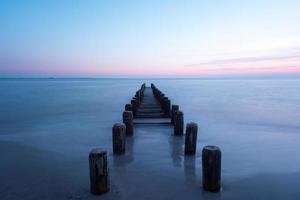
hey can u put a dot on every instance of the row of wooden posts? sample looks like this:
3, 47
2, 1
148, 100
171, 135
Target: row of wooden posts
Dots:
211, 155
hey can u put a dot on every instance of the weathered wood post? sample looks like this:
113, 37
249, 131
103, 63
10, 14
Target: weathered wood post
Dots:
134, 106
178, 123
211, 168
128, 121
174, 109
161, 99
138, 96
166, 105
99, 173
137, 103
128, 107
142, 91
191, 138
119, 138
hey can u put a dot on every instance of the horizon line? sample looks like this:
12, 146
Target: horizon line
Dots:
159, 78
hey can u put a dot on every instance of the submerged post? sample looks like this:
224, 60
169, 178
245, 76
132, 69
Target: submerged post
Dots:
128, 121
119, 138
191, 138
99, 177
178, 123
211, 168
174, 109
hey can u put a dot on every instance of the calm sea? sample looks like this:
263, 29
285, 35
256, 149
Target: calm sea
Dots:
256, 123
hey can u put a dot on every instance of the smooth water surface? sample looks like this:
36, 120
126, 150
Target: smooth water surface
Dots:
48, 127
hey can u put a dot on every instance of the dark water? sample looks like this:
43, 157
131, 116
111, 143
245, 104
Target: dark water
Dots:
48, 126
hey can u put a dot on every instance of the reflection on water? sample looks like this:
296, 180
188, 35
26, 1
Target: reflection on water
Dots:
176, 149
190, 168
123, 159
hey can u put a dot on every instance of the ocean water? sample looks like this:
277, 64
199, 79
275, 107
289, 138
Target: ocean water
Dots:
48, 127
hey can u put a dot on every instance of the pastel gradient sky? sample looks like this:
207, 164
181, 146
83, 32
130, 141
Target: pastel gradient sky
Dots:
95, 38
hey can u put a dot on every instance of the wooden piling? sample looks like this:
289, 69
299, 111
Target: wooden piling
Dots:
166, 105
134, 107
99, 173
128, 121
119, 138
211, 168
143, 87
178, 123
128, 107
174, 109
142, 90
191, 138
138, 96
136, 101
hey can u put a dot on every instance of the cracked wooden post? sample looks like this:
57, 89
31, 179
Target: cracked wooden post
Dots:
174, 109
99, 173
211, 168
128, 107
128, 121
178, 123
191, 138
119, 138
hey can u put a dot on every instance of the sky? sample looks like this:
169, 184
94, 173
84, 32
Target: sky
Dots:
103, 38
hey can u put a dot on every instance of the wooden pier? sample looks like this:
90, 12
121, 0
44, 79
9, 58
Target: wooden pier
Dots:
150, 111
150, 106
